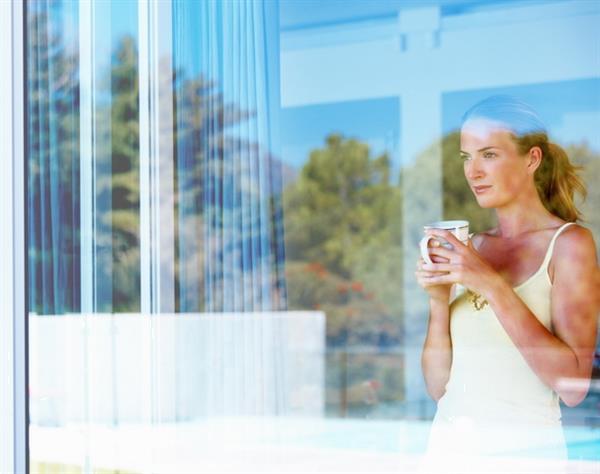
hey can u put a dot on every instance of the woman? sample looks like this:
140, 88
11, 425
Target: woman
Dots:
522, 332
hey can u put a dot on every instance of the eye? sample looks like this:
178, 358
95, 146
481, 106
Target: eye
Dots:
489, 154
465, 157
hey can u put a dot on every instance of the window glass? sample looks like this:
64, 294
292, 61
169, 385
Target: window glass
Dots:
224, 206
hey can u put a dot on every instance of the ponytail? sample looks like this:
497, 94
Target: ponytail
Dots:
557, 181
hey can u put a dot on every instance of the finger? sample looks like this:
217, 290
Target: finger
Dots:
427, 281
430, 282
433, 243
446, 279
443, 252
447, 236
426, 275
421, 262
439, 267
434, 257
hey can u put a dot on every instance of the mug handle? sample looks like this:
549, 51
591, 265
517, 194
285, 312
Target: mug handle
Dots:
424, 245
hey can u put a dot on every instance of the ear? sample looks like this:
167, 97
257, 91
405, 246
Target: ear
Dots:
534, 159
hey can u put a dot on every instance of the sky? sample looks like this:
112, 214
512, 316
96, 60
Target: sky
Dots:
375, 121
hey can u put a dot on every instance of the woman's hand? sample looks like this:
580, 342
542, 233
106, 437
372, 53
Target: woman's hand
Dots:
463, 265
437, 292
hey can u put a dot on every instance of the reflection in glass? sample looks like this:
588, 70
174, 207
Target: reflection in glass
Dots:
53, 152
228, 176
174, 324
100, 365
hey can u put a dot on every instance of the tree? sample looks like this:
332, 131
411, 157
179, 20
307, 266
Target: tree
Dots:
122, 219
589, 160
459, 202
53, 162
343, 241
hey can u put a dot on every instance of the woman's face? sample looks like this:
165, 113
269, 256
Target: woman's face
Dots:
495, 171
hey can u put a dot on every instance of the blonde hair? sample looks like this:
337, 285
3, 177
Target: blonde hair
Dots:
556, 179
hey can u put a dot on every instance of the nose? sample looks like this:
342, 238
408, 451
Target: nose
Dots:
473, 169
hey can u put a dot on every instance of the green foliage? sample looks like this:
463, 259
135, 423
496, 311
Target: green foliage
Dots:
343, 220
582, 155
122, 220
344, 235
53, 157
339, 202
459, 202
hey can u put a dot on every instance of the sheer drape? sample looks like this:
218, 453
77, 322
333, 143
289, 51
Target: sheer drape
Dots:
230, 248
228, 180
53, 168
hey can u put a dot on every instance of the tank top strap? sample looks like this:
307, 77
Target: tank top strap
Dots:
552, 242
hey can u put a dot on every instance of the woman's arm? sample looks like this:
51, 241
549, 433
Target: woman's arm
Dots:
437, 350
555, 358
436, 358
562, 360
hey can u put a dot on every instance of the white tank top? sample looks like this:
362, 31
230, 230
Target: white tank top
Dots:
492, 392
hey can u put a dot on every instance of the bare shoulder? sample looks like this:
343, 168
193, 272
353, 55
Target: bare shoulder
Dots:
574, 257
575, 241
575, 275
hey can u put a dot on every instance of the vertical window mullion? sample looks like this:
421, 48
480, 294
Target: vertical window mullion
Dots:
21, 440
146, 297
147, 301
87, 200
13, 320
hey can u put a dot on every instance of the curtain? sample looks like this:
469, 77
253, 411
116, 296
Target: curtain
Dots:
228, 177
230, 248
53, 163
85, 214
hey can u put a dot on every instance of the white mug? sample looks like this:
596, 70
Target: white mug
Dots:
459, 228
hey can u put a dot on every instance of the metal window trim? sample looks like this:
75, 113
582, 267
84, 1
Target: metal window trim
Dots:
20, 310
13, 291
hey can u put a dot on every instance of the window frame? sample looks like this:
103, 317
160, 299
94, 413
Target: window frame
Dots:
13, 254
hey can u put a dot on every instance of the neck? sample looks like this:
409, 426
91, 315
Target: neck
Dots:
521, 217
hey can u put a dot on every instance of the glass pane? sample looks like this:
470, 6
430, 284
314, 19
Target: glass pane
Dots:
435, 62
343, 210
225, 202
83, 228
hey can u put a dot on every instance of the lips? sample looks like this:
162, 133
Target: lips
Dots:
481, 189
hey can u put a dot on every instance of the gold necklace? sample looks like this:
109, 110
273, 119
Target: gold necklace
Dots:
477, 300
